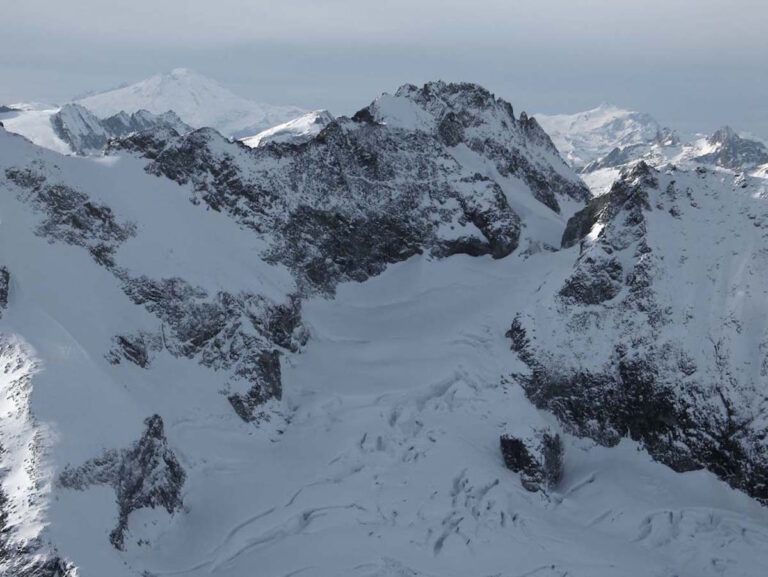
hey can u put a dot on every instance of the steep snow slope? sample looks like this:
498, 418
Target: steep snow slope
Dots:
33, 121
199, 101
295, 131
83, 403
75, 129
145, 330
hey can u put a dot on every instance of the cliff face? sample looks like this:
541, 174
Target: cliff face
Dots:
663, 344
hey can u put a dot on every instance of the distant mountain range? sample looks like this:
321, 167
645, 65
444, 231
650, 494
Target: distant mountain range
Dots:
602, 141
196, 99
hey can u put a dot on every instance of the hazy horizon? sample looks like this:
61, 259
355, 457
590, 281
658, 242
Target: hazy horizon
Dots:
693, 65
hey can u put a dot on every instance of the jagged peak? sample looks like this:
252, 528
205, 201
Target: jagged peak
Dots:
452, 94
444, 108
639, 173
723, 134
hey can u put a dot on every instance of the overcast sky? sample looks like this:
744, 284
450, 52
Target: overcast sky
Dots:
694, 64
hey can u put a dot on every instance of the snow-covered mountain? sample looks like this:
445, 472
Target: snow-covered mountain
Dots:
73, 129
33, 121
294, 131
295, 359
601, 142
727, 149
587, 136
86, 134
197, 100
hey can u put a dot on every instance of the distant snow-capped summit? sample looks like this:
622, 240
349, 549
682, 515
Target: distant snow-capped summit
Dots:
730, 150
86, 134
587, 136
294, 131
199, 101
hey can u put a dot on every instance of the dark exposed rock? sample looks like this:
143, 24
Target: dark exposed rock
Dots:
149, 142
327, 247
538, 459
469, 114
599, 275
267, 384
339, 205
451, 130
348, 203
594, 282
363, 115
136, 348
236, 333
579, 225
71, 217
146, 475
5, 285
630, 400
518, 459
647, 387
733, 151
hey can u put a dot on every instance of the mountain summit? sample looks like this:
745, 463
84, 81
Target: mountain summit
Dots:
587, 136
198, 100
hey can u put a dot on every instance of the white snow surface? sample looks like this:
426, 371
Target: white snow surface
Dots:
294, 131
589, 135
33, 121
198, 100
382, 458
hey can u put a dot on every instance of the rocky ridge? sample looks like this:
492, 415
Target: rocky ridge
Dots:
692, 398
86, 134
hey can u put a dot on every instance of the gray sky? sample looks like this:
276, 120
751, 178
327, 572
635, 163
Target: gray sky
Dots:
694, 64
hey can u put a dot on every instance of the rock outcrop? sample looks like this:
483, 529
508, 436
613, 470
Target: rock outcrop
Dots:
538, 459
147, 474
634, 357
734, 152
377, 188
86, 134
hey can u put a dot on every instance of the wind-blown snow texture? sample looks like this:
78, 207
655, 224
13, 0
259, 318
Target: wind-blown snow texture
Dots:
292, 359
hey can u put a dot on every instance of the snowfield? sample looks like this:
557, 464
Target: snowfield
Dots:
587, 136
380, 456
34, 122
